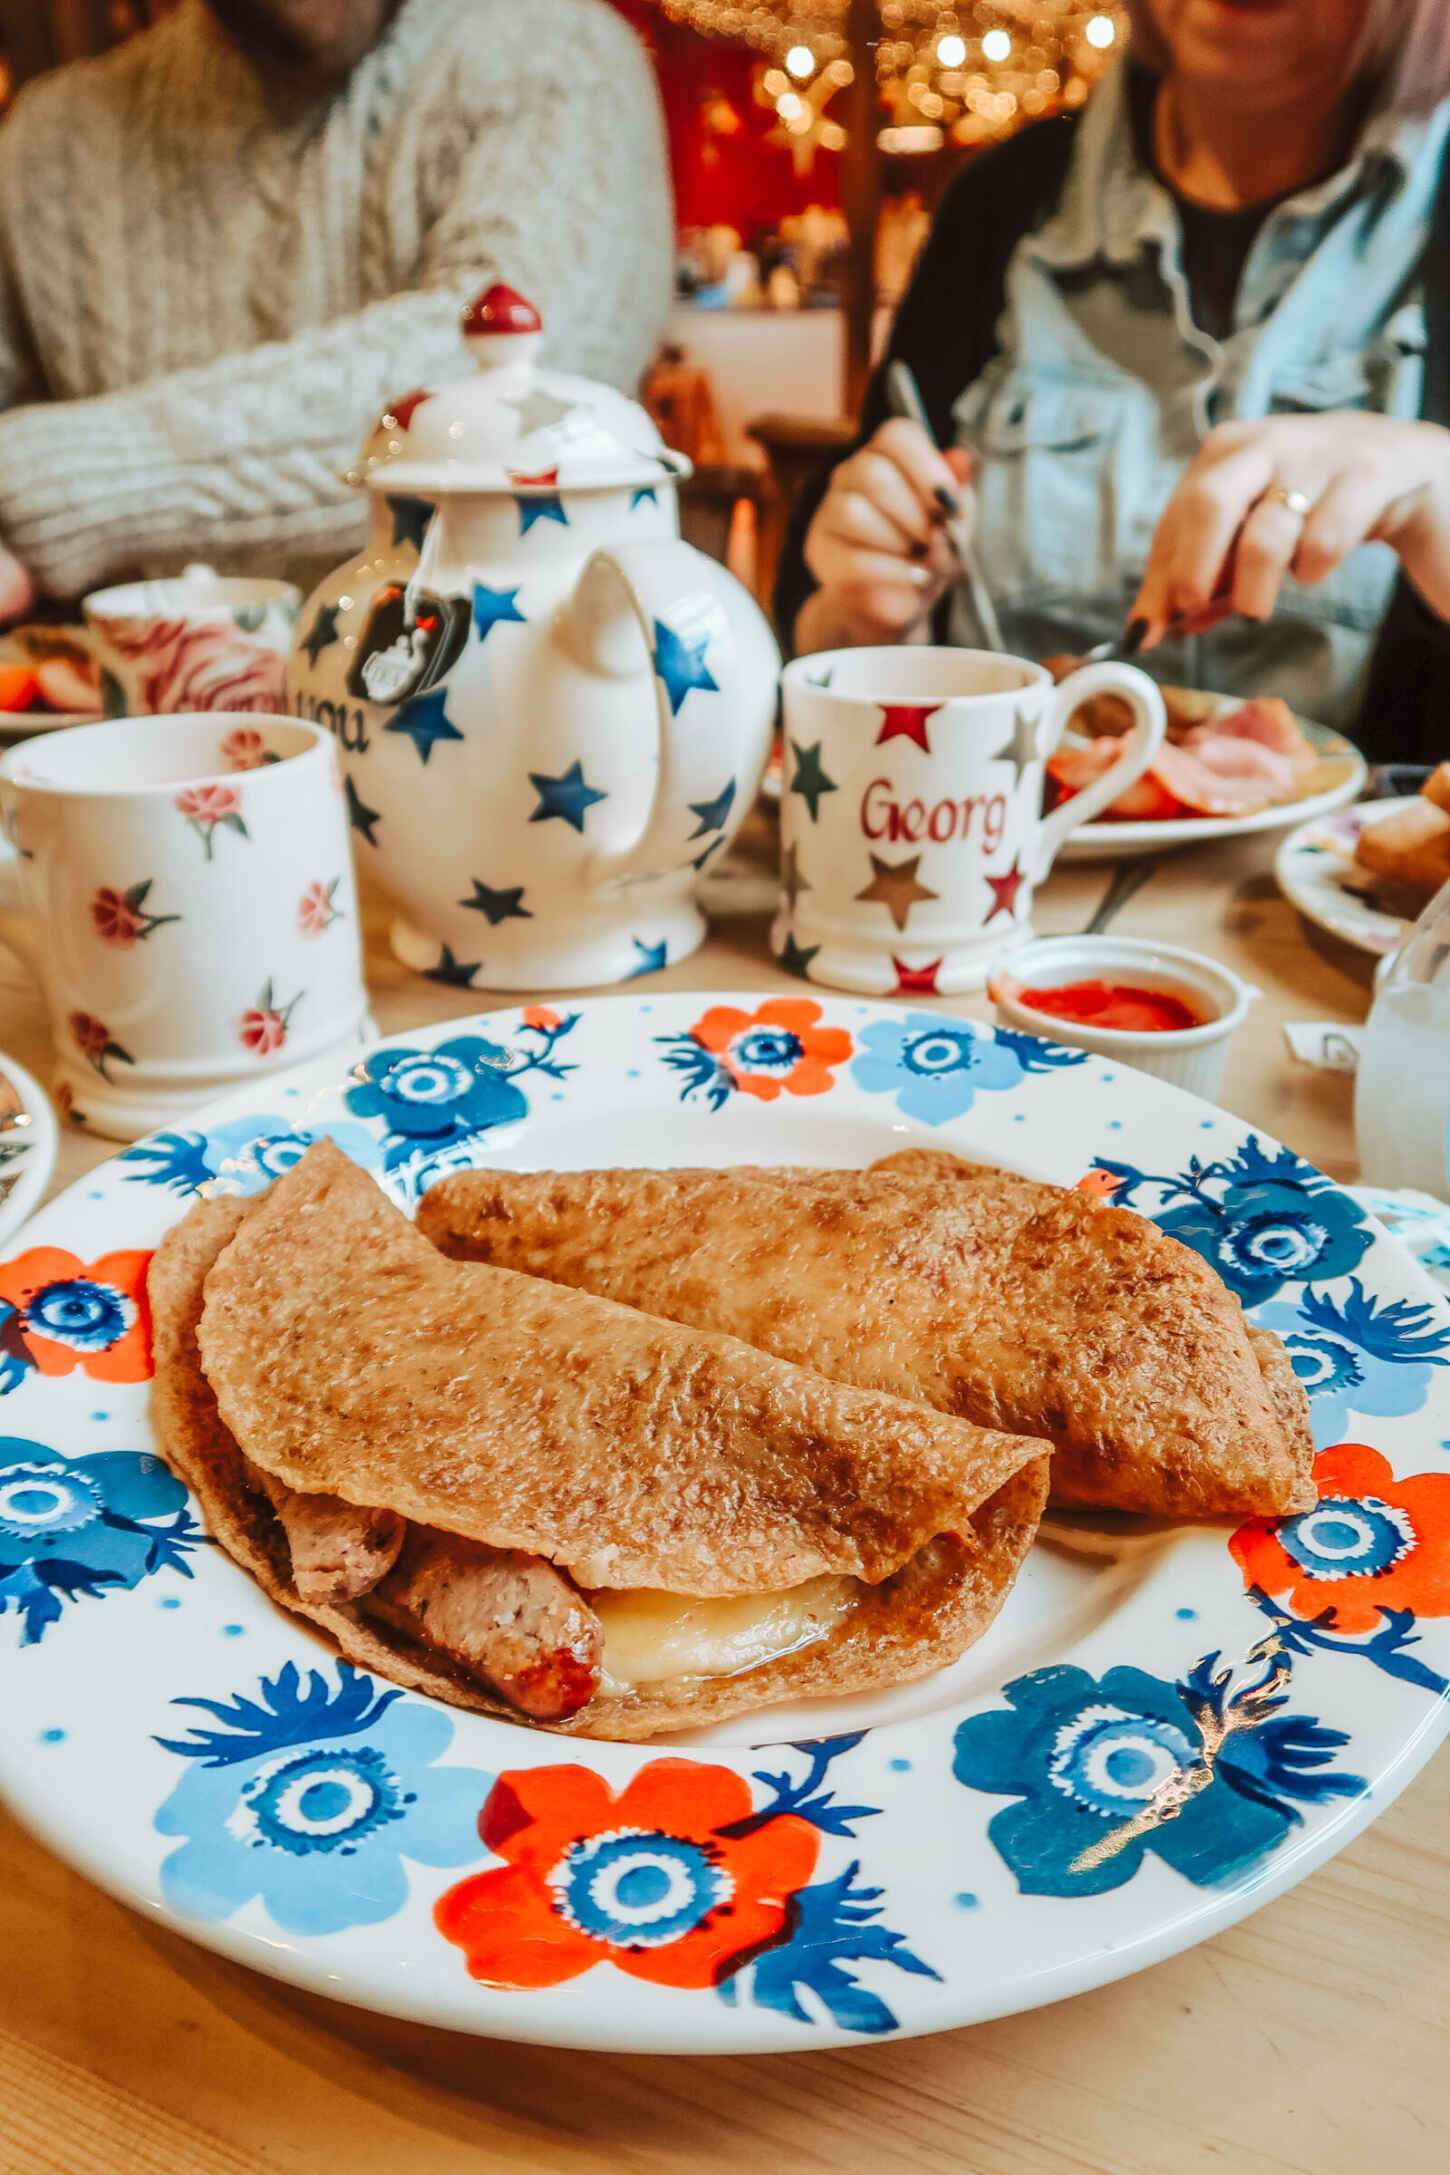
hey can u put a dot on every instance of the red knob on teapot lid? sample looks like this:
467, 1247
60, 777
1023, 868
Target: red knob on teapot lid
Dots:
500, 310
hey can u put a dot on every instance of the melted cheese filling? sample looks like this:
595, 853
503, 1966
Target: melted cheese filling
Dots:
650, 1636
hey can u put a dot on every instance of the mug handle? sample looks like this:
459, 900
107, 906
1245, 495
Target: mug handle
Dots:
665, 591
1141, 745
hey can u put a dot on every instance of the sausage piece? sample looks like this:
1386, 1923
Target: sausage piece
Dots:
513, 1620
339, 1552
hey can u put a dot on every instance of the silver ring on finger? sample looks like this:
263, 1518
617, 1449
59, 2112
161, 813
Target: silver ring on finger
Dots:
1299, 503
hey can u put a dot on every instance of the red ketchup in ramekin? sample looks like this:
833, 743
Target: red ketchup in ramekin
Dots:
1128, 1006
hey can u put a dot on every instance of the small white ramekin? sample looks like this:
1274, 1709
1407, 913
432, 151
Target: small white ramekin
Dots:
1191, 1057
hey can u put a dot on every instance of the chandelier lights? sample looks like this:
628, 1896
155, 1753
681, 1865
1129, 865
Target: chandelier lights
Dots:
963, 74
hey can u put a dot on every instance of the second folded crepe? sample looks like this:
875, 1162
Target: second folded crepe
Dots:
1013, 1303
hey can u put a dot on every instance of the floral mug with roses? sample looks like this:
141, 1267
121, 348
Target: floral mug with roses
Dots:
193, 881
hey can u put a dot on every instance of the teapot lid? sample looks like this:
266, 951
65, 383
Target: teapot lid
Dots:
513, 426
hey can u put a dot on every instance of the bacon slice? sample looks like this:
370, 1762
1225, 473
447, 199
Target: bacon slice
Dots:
1252, 758
1269, 723
1147, 800
1215, 776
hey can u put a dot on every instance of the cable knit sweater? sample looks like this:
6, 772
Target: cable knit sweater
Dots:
205, 300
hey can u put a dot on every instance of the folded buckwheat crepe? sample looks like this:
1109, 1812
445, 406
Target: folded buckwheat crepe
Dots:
538, 1501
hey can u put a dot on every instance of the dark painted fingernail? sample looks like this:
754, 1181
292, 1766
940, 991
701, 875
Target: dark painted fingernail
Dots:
1134, 636
948, 501
919, 550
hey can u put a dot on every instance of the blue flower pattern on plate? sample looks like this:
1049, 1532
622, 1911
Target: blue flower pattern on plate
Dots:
1354, 1355
936, 1066
241, 1156
837, 1922
74, 1527
1203, 1773
87, 1316
433, 1100
1263, 1219
645, 1895
311, 1798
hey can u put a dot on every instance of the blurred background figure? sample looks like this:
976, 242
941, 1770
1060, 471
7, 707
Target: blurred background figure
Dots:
225, 245
1192, 348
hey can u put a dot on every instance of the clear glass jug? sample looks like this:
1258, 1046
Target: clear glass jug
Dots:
1402, 1094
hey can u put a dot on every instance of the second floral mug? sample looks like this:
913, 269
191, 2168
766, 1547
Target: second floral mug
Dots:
195, 641
183, 889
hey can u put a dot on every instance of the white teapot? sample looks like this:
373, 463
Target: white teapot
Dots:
553, 714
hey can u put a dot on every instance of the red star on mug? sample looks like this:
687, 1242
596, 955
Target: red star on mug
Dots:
1004, 890
906, 721
916, 981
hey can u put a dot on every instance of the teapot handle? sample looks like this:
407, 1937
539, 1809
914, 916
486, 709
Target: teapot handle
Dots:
699, 735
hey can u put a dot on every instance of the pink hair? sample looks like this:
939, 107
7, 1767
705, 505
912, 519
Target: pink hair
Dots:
1406, 46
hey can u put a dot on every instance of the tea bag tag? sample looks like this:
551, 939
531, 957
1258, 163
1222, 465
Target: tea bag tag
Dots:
411, 640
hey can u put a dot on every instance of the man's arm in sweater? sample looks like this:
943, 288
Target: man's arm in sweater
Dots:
17, 376
564, 196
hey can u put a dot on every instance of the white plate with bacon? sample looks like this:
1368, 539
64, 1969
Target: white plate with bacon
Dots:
1226, 768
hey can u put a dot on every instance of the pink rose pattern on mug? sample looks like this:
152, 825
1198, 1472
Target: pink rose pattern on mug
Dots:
193, 641
179, 665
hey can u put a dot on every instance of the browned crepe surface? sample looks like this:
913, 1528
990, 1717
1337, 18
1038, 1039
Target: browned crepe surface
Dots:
1018, 1304
915, 1622
349, 1357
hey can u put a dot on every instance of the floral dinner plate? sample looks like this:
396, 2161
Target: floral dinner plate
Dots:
1164, 1729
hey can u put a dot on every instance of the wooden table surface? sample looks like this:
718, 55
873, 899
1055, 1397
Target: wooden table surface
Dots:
1310, 2040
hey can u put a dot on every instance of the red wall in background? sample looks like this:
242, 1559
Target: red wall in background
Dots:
742, 179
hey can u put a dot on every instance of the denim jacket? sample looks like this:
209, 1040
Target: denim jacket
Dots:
1103, 388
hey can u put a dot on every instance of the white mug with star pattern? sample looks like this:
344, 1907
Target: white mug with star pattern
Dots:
183, 889
912, 828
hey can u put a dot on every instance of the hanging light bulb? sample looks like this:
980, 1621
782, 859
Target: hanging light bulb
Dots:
801, 61
788, 106
951, 50
1101, 31
996, 45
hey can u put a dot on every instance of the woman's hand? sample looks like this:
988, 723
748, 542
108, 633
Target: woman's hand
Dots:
878, 545
1295, 494
17, 590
